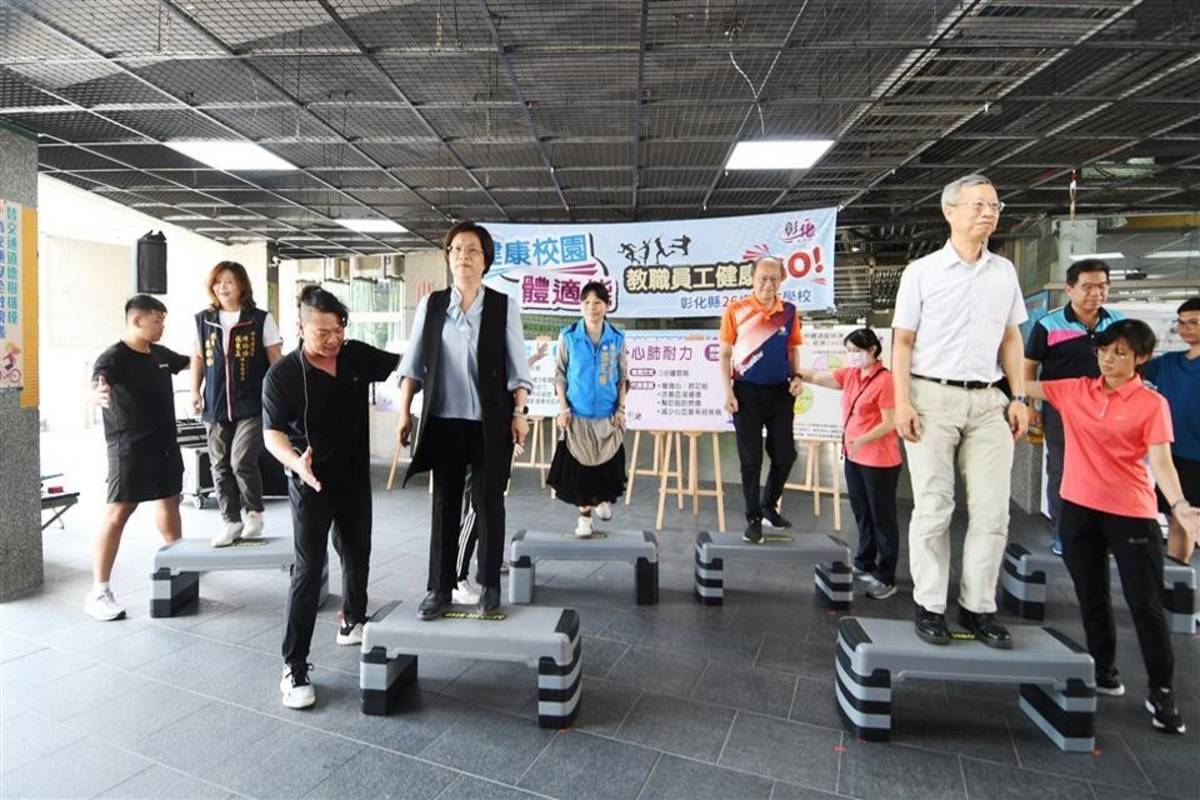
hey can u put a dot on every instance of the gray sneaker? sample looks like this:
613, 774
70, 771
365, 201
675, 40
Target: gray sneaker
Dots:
878, 590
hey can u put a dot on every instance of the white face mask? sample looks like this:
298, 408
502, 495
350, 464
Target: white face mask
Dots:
857, 359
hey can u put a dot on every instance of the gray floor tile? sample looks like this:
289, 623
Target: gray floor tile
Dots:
599, 655
501, 685
133, 715
815, 703
286, 761
883, 771
37, 669
81, 769
71, 694
578, 765
786, 751
989, 781
469, 788
160, 783
374, 773
977, 730
1172, 763
490, 744
749, 688
682, 779
603, 706
139, 647
14, 646
789, 791
686, 727
212, 734
656, 671
812, 659
1112, 763
26, 737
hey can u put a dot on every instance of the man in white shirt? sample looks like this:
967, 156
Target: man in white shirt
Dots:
955, 338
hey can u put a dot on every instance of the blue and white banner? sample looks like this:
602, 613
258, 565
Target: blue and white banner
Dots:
667, 269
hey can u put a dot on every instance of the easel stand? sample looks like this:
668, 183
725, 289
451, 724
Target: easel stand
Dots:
656, 468
536, 449
812, 477
693, 489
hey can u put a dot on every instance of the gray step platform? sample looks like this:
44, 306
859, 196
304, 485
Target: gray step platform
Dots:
1056, 676
832, 576
1025, 573
542, 637
528, 547
175, 582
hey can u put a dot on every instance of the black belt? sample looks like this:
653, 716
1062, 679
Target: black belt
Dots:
959, 384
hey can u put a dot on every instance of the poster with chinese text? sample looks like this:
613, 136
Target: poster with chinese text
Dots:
11, 340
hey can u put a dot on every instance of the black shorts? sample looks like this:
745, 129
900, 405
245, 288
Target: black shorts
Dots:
1189, 481
135, 476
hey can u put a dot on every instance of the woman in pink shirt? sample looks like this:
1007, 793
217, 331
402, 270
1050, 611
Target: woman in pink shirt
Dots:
872, 454
1111, 424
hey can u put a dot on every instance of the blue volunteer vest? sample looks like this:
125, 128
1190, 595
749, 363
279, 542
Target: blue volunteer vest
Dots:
593, 370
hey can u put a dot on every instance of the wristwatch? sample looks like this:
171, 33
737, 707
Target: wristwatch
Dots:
1021, 398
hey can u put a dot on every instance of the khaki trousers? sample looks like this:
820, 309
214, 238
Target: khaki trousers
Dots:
964, 429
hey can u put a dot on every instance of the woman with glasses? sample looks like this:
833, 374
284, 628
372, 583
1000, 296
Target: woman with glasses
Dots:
590, 380
1112, 423
467, 353
1176, 376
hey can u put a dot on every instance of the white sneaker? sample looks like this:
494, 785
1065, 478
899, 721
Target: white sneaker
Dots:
297, 691
228, 534
604, 511
101, 605
254, 525
583, 529
878, 590
466, 593
350, 634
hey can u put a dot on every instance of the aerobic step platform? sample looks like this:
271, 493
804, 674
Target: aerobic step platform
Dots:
1025, 573
832, 576
528, 547
541, 637
1056, 676
175, 582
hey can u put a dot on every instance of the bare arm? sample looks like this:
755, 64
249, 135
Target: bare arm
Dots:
300, 463
1034, 389
1031, 369
886, 425
274, 352
1012, 359
817, 378
1167, 479
726, 361
908, 424
408, 388
197, 382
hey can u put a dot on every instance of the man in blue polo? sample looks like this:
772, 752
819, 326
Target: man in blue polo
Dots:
1062, 343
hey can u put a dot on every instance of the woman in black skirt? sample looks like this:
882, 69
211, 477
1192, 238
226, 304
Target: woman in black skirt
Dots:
588, 470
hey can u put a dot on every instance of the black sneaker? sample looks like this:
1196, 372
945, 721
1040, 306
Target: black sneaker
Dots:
753, 533
1163, 714
1108, 682
434, 605
773, 519
931, 626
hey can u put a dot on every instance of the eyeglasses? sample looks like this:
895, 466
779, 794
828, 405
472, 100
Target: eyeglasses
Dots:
1179, 324
977, 206
471, 252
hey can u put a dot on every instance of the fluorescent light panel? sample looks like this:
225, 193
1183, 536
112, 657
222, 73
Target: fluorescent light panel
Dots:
778, 154
1174, 254
232, 156
1103, 256
371, 225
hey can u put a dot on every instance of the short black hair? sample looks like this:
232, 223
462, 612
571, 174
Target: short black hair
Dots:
485, 241
865, 339
1137, 335
1191, 304
314, 298
1085, 265
144, 302
597, 288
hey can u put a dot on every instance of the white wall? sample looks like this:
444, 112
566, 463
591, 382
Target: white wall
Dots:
86, 246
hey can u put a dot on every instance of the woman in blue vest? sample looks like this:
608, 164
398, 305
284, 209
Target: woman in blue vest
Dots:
588, 469
235, 343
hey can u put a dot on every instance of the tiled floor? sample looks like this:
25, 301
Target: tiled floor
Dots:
679, 700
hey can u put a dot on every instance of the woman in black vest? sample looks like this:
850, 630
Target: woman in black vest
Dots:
467, 352
235, 343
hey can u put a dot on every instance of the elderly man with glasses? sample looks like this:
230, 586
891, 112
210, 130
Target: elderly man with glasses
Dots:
955, 339
1176, 375
1063, 344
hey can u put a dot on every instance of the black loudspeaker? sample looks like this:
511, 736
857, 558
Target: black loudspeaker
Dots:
152, 264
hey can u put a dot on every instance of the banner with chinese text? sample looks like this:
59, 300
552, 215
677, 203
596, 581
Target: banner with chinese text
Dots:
668, 269
11, 334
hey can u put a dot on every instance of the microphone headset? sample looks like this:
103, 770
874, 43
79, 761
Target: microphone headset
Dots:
315, 298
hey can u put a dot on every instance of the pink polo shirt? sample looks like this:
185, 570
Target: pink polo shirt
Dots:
1108, 434
868, 395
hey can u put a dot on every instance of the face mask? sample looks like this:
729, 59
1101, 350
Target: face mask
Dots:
859, 359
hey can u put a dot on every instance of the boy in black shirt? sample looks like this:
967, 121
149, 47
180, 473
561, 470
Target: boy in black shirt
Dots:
132, 382
316, 423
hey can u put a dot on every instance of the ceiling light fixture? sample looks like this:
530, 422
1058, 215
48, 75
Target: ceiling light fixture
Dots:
1174, 254
231, 156
778, 154
371, 225
1102, 256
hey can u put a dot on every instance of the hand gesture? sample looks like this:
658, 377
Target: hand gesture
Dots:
304, 468
101, 393
197, 403
404, 428
908, 423
795, 386
1188, 518
520, 429
618, 419
564, 418
1018, 418
731, 403
852, 446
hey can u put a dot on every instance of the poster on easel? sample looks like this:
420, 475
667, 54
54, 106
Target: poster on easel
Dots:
11, 333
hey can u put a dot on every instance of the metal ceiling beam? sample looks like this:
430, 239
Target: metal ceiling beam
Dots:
74, 42
637, 109
756, 94
512, 77
407, 103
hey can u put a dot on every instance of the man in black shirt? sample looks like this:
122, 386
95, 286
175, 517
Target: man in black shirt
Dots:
315, 420
132, 382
